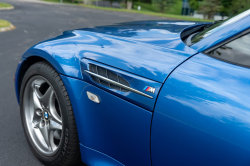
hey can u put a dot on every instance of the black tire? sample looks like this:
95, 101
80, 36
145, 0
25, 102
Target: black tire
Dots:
68, 152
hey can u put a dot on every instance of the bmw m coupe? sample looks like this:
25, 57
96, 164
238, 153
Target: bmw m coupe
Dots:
147, 93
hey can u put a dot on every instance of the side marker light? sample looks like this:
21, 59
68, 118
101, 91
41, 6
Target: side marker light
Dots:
93, 97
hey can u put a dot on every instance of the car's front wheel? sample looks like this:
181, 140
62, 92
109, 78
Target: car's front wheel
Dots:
47, 116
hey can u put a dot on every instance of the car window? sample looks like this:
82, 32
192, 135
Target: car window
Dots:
219, 26
237, 51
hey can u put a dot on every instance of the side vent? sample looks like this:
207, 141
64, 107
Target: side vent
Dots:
108, 78
109, 75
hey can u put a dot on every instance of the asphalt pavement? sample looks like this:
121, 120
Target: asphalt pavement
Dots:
36, 22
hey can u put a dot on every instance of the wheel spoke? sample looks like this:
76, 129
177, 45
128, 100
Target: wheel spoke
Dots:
52, 143
46, 135
36, 96
53, 111
37, 113
55, 125
47, 98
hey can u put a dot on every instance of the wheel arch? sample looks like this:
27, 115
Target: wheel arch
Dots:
29, 58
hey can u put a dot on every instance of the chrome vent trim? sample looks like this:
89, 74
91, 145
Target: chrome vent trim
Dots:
108, 74
117, 84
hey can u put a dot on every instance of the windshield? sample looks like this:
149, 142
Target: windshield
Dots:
218, 26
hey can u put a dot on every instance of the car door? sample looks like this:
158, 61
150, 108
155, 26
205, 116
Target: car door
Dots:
202, 115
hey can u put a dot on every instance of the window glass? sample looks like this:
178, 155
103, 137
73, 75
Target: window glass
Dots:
218, 26
237, 51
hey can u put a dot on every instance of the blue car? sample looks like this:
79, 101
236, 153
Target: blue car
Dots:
147, 93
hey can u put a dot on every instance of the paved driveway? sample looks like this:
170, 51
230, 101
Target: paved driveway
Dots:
36, 22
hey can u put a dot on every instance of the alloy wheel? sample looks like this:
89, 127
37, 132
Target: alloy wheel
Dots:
43, 116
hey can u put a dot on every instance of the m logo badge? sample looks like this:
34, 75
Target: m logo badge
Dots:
149, 89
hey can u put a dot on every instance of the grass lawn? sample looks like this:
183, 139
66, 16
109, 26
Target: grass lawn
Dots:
176, 9
173, 16
4, 23
174, 13
4, 5
64, 1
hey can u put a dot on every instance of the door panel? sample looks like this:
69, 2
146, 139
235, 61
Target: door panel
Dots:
202, 115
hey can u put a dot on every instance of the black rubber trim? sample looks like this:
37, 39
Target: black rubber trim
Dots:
206, 52
227, 41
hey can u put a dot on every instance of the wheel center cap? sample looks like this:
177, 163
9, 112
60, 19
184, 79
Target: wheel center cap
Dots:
46, 115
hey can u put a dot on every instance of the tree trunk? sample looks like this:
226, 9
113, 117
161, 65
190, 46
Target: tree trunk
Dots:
211, 15
129, 5
162, 7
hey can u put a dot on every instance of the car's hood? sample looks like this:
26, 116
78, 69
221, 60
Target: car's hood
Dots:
160, 33
151, 49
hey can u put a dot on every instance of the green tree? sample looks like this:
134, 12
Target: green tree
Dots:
194, 4
225, 11
239, 6
164, 4
209, 8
